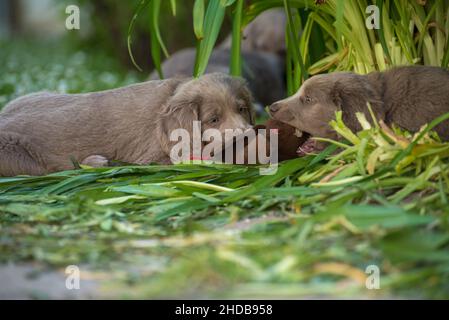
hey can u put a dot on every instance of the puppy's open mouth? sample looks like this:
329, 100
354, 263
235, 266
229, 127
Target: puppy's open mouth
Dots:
309, 145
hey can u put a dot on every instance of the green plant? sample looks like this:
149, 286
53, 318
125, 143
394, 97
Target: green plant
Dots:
410, 32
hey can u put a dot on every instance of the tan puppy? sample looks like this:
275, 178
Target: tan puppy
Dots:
47, 132
406, 96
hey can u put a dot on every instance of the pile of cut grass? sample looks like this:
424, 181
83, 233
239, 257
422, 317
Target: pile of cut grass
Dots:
194, 230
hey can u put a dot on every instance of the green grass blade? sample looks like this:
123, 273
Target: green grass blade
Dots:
198, 19
381, 33
156, 40
173, 7
293, 45
236, 58
139, 9
212, 24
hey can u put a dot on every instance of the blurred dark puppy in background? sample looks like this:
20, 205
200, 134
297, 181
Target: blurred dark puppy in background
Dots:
408, 97
263, 71
263, 53
265, 33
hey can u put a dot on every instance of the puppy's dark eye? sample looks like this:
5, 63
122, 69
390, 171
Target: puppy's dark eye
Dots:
308, 99
242, 109
214, 120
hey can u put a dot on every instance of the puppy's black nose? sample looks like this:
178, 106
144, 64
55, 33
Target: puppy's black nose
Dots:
274, 107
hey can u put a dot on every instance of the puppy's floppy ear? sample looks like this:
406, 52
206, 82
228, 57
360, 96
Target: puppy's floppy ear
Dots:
178, 113
352, 95
240, 88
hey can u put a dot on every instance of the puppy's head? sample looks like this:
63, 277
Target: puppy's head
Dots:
266, 33
312, 108
217, 100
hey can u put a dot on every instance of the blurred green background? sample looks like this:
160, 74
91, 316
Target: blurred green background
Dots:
38, 53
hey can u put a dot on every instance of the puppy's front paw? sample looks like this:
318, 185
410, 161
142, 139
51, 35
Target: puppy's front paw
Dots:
95, 161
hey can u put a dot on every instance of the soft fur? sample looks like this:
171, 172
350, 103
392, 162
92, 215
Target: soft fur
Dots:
263, 71
266, 33
47, 132
409, 97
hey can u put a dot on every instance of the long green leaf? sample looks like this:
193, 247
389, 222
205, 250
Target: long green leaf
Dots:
139, 9
212, 24
236, 57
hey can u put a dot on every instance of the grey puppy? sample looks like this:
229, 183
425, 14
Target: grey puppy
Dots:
265, 33
406, 96
45, 132
263, 71
263, 52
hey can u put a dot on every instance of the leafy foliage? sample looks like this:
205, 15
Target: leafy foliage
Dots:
411, 32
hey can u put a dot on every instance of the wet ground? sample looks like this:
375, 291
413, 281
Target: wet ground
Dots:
31, 281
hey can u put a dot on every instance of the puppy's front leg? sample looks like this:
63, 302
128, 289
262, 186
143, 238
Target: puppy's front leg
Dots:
95, 161
18, 156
